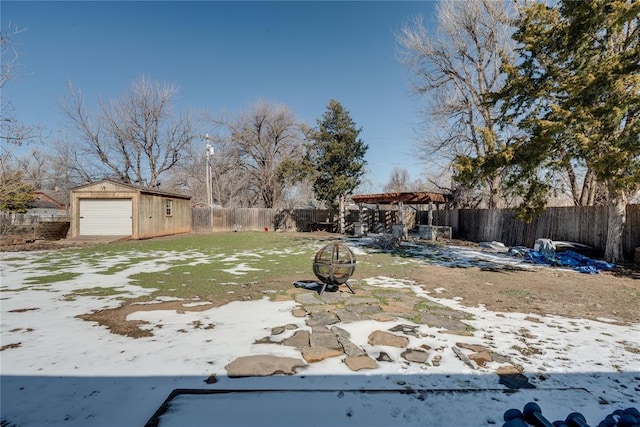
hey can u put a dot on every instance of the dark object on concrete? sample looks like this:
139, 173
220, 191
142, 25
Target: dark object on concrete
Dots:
512, 414
630, 417
308, 407
334, 264
516, 422
576, 419
313, 285
533, 415
515, 381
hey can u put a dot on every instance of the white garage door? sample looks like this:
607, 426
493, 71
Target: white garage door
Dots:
102, 217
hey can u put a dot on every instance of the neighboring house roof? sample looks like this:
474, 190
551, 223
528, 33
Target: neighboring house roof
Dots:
44, 201
409, 197
144, 190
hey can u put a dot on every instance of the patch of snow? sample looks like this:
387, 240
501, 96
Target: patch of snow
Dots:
240, 269
196, 304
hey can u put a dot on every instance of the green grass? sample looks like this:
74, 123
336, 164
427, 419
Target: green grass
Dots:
51, 278
273, 262
97, 292
428, 306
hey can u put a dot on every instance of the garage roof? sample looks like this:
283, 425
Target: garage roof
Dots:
143, 190
409, 197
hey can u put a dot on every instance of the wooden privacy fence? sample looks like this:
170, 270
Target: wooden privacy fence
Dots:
581, 224
585, 224
222, 219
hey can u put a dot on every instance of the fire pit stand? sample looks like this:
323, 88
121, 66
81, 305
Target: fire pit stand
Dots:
334, 264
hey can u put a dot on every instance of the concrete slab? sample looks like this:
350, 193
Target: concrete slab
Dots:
399, 407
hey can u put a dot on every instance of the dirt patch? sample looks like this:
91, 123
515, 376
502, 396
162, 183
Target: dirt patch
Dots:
8, 346
540, 291
115, 319
15, 243
23, 310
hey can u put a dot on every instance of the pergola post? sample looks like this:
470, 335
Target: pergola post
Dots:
430, 214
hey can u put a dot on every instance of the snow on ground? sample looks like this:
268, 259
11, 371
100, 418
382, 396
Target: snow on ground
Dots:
59, 370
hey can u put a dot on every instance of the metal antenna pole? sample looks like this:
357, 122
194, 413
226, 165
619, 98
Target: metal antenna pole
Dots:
208, 170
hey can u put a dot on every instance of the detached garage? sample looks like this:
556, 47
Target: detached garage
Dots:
111, 208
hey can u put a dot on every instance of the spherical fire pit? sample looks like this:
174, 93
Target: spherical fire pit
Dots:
334, 264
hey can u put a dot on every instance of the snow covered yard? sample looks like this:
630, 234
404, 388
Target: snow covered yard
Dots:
58, 369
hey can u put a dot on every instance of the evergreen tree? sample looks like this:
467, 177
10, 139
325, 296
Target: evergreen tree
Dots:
336, 155
575, 94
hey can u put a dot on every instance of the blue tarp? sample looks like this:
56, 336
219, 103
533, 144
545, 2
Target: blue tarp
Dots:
570, 259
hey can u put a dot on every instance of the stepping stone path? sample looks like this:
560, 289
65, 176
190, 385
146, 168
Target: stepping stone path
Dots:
323, 338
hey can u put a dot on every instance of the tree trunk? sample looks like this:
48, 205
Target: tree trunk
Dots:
573, 183
494, 192
617, 215
589, 186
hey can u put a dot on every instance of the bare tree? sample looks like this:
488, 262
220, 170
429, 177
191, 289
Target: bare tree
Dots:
135, 139
12, 132
256, 146
231, 186
398, 181
458, 66
15, 190
35, 168
228, 187
9, 52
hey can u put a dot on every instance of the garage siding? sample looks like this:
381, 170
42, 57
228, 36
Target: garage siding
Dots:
106, 217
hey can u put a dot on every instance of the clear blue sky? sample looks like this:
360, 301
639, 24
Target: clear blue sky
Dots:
224, 56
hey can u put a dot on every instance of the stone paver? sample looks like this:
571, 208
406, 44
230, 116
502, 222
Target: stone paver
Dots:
299, 339
350, 349
299, 312
307, 298
322, 318
406, 329
357, 300
263, 365
388, 339
357, 363
336, 297
323, 337
481, 358
418, 356
318, 354
347, 316
319, 308
441, 321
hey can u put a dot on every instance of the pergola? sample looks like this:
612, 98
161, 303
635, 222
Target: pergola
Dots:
409, 197
402, 198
